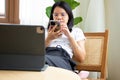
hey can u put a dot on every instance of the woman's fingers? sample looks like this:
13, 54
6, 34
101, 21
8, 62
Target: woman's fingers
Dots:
52, 34
51, 28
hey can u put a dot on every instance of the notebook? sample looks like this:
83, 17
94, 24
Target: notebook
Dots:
22, 47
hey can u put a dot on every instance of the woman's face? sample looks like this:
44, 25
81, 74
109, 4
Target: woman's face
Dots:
60, 14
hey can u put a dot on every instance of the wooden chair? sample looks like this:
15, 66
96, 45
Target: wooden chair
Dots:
96, 54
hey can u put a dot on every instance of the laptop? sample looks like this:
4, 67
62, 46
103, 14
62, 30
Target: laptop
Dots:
22, 47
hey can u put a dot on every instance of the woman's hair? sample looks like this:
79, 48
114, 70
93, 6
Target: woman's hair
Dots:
68, 10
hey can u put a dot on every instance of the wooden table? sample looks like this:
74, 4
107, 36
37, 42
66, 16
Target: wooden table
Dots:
51, 73
92, 79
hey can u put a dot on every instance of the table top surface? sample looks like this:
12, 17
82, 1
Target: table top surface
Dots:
51, 73
92, 79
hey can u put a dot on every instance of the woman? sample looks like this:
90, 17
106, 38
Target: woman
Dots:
61, 45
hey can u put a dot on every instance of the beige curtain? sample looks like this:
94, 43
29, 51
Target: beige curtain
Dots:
95, 18
93, 13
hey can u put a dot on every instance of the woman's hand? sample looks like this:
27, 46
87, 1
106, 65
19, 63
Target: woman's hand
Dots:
52, 35
65, 30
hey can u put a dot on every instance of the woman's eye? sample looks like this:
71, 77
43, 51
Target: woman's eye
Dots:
63, 14
55, 14
59, 14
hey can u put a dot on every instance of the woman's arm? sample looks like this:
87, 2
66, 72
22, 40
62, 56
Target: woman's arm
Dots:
78, 49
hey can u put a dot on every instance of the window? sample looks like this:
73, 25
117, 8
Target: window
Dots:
9, 11
2, 8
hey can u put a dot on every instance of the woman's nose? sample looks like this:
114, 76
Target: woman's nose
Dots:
59, 17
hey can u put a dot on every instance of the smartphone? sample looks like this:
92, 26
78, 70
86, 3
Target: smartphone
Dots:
55, 23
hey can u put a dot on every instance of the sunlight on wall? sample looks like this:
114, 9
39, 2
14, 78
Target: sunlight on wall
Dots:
33, 12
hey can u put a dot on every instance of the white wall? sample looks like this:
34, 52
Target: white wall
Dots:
113, 23
33, 12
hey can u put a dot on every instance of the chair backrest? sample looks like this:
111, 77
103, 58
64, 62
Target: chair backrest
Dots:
96, 53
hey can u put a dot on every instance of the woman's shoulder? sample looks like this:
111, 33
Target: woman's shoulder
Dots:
76, 29
78, 33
